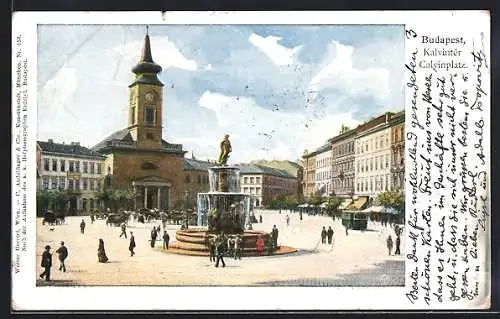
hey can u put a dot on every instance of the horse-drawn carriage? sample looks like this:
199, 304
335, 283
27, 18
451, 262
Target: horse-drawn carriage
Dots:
117, 219
51, 218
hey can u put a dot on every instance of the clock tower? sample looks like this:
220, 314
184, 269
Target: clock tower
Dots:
145, 101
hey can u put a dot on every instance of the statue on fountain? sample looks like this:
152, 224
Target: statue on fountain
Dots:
225, 149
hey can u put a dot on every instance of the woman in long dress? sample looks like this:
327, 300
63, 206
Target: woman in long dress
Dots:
101, 252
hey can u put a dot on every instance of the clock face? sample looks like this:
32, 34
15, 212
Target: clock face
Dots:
150, 97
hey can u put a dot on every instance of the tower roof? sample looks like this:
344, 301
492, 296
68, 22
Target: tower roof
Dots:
146, 63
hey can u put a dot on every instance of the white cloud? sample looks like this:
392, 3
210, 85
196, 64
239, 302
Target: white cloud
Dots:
59, 89
279, 54
341, 74
208, 67
164, 52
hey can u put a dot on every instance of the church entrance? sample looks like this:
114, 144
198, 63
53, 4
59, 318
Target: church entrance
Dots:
152, 195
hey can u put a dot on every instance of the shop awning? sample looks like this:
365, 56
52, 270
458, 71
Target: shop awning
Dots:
345, 203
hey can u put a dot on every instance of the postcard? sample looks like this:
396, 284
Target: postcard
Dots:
250, 160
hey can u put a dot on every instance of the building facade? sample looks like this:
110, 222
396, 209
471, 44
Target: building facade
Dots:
195, 180
137, 157
373, 157
74, 168
343, 163
309, 174
266, 183
397, 124
324, 173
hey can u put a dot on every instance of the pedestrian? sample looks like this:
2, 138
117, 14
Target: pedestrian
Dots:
92, 218
389, 244
260, 219
153, 237
101, 252
220, 249
287, 220
329, 235
131, 246
274, 235
82, 227
346, 230
166, 239
230, 245
62, 251
124, 228
260, 245
237, 247
398, 244
46, 263
211, 248
323, 235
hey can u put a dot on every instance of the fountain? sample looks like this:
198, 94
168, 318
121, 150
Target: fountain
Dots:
224, 209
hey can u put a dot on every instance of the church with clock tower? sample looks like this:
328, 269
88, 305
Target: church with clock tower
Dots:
137, 157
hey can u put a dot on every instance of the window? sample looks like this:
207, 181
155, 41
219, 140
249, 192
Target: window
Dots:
99, 168
54, 183
63, 165
85, 182
245, 190
71, 166
149, 116
132, 115
77, 184
46, 164
85, 167
199, 179
402, 134
257, 190
71, 184
251, 180
91, 184
77, 166
187, 179
45, 182
98, 185
257, 180
245, 180
92, 170
54, 165
371, 164
386, 161
62, 182
376, 162
84, 204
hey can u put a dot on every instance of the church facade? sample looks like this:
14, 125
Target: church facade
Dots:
137, 157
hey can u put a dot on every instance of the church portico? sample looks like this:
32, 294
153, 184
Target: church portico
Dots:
152, 193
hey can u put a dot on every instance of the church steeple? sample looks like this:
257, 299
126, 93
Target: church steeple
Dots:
146, 69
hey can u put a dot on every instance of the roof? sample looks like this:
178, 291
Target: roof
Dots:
191, 164
73, 149
122, 139
323, 148
288, 166
259, 169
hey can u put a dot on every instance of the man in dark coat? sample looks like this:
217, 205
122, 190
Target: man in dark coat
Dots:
166, 239
124, 228
398, 244
63, 254
131, 246
329, 235
323, 235
274, 236
211, 248
82, 227
220, 249
46, 263
153, 237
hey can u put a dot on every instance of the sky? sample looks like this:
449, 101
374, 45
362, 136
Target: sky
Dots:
276, 90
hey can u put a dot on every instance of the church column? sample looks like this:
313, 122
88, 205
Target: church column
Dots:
159, 202
145, 197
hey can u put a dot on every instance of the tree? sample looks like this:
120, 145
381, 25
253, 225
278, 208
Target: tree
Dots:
332, 204
394, 200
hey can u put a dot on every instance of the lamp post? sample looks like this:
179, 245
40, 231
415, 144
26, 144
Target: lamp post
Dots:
186, 192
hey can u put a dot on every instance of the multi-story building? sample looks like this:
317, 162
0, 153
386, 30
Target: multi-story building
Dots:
397, 124
343, 163
309, 173
71, 167
290, 167
265, 183
323, 180
372, 161
195, 179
